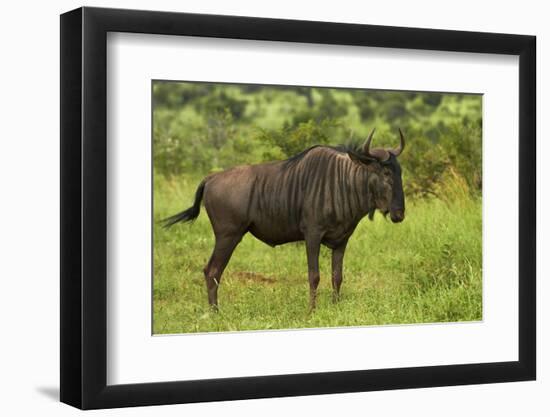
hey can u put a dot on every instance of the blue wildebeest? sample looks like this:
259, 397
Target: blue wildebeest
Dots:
318, 196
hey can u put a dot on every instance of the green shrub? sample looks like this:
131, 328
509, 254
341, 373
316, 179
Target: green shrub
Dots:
291, 140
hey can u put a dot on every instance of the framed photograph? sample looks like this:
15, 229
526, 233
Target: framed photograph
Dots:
258, 208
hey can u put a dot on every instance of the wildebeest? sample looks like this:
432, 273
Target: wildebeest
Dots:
318, 196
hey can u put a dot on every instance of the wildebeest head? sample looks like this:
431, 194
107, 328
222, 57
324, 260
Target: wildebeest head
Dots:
385, 182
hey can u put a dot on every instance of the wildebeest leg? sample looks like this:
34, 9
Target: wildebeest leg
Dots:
213, 271
337, 265
313, 245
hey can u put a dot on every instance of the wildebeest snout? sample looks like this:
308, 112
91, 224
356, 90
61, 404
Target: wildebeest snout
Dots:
397, 216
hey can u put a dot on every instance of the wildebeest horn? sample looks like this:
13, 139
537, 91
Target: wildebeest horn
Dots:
366, 146
397, 151
380, 154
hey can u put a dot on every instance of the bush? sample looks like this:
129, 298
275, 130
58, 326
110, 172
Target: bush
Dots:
364, 105
457, 148
188, 143
220, 102
291, 140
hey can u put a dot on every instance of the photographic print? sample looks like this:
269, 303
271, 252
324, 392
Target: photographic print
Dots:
290, 207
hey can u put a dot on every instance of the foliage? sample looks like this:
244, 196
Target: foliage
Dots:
327, 107
291, 140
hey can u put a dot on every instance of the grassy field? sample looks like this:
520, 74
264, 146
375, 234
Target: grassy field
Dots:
424, 270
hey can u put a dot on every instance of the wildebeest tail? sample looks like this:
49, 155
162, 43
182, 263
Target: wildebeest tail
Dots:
191, 213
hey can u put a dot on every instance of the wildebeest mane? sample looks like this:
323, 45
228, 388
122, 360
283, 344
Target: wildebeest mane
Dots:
353, 149
299, 156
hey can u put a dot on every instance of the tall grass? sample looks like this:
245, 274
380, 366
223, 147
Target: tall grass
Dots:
424, 270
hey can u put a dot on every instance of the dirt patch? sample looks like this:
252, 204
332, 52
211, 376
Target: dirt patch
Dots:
255, 277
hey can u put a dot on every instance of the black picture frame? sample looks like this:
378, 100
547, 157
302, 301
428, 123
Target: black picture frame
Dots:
84, 207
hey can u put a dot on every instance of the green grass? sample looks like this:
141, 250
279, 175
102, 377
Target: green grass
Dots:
424, 270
